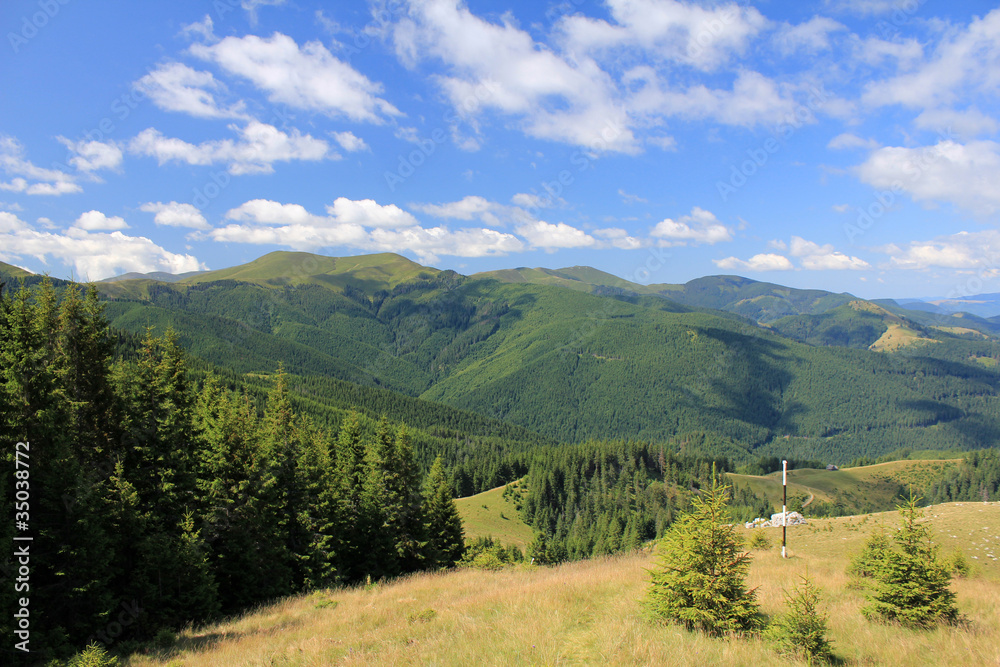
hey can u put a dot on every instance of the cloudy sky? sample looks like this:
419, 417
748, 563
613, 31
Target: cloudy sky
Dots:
849, 145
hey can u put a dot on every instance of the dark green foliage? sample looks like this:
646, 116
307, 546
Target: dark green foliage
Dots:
700, 577
977, 479
576, 366
868, 561
801, 630
445, 537
911, 584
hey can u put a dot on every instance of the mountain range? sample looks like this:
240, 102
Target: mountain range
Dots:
725, 363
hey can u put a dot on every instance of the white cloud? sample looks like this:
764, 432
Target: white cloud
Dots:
258, 147
429, 243
95, 221
267, 212
834, 261
848, 140
177, 87
90, 156
11, 223
176, 214
46, 181
618, 238
703, 37
762, 262
967, 124
349, 142
501, 67
962, 174
964, 250
308, 78
541, 234
471, 207
369, 213
93, 255
963, 64
700, 226
753, 100
902, 53
810, 37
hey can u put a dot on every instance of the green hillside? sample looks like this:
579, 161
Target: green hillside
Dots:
571, 365
491, 514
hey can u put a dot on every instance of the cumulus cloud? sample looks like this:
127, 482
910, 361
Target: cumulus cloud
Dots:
762, 262
698, 227
259, 145
369, 213
177, 87
962, 174
307, 77
618, 238
176, 214
92, 254
95, 220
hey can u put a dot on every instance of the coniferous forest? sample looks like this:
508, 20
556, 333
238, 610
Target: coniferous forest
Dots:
155, 503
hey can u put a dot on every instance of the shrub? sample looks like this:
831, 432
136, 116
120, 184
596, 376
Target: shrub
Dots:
958, 565
802, 629
700, 581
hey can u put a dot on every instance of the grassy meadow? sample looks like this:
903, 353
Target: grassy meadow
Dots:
588, 612
489, 514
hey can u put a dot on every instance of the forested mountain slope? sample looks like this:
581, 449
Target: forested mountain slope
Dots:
572, 365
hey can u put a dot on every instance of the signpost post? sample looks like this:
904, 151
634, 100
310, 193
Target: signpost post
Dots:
784, 505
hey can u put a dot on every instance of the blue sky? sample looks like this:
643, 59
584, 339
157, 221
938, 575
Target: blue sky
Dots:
846, 145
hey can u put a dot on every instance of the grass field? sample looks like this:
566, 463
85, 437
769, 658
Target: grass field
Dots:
588, 612
489, 514
874, 484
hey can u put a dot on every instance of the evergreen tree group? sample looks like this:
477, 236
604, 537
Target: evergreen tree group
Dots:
178, 503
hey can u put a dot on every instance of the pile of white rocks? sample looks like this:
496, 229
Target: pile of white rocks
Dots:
793, 519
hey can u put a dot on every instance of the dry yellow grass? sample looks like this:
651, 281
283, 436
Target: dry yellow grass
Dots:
588, 613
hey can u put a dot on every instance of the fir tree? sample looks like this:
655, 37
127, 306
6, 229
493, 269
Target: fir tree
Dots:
911, 584
700, 581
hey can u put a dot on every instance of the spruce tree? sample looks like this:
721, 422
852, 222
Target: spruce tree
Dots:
700, 579
911, 583
445, 535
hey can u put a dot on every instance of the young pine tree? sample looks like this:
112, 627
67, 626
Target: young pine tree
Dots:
700, 581
911, 584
